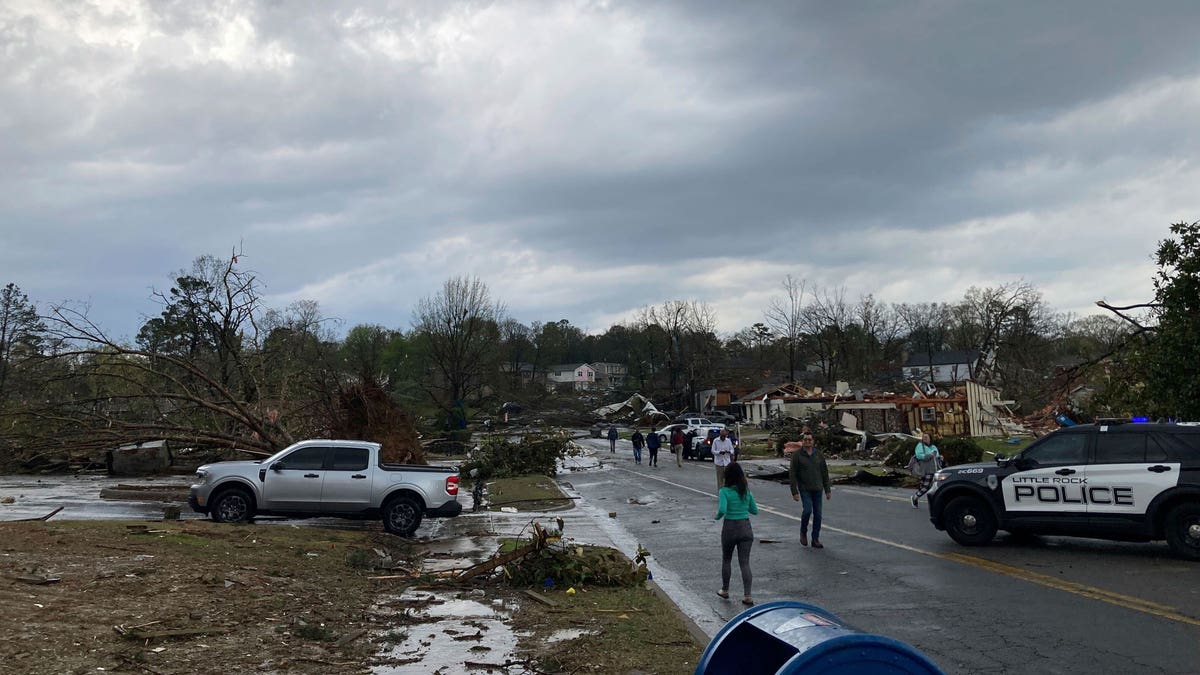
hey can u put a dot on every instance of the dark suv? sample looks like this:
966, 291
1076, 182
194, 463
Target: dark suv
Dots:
1120, 481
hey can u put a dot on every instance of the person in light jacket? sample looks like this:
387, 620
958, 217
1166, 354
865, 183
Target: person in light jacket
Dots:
925, 462
722, 452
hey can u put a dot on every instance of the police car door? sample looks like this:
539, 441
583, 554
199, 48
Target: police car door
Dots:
1048, 480
1129, 469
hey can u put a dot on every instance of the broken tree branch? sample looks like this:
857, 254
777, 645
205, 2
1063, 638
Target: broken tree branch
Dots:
48, 516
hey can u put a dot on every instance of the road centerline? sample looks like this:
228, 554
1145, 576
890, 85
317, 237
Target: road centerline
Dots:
983, 564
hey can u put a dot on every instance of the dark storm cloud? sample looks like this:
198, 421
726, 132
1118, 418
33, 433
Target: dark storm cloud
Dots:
587, 158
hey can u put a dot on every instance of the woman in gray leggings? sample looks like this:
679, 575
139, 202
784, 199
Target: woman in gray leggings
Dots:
736, 505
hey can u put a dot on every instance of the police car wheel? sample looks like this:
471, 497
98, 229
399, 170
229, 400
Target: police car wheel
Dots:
970, 521
1183, 530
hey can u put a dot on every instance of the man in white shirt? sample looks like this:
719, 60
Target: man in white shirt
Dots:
722, 452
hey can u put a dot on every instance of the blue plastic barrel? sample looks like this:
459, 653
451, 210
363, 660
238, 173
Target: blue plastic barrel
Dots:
794, 637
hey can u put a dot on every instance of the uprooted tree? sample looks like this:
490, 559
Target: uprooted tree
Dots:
215, 369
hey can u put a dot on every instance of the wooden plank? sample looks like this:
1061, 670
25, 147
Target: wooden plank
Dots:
541, 598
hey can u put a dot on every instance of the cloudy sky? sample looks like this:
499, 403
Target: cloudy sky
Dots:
587, 158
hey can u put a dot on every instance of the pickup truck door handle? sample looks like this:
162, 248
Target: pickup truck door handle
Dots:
1065, 472
312, 475
1158, 468
358, 476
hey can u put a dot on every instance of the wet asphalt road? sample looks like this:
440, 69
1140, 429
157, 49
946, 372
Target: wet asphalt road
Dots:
1051, 605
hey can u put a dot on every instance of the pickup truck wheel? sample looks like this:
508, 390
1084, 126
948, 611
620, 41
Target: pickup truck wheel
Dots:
1182, 528
970, 521
232, 506
402, 516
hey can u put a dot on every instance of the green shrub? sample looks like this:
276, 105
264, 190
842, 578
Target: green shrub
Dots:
502, 457
573, 565
959, 450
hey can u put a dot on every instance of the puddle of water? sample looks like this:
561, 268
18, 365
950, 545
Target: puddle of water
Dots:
445, 634
567, 634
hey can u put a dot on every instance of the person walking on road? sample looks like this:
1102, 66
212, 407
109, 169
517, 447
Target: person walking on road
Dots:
677, 445
638, 442
722, 452
612, 438
809, 476
736, 504
924, 463
653, 443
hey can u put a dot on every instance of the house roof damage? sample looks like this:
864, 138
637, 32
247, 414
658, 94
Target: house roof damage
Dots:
636, 408
970, 409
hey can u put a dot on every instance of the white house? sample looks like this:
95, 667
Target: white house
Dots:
579, 375
947, 367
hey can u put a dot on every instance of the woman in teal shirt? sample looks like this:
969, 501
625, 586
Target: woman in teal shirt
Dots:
925, 462
735, 505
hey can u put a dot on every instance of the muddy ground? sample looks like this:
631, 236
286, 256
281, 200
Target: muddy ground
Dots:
170, 598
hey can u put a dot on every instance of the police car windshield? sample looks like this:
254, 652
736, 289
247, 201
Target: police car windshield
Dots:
1058, 449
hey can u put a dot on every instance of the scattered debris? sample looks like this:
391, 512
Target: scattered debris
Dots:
538, 543
153, 635
38, 581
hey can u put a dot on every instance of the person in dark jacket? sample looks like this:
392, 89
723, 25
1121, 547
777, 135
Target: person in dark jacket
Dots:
677, 445
653, 443
638, 441
809, 476
612, 438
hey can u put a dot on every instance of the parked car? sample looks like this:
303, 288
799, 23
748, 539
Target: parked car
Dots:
721, 417
327, 478
702, 448
1122, 481
689, 437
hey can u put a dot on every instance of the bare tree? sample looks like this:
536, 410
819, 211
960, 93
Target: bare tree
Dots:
516, 339
927, 327
881, 332
785, 317
689, 328
988, 318
195, 377
825, 320
459, 325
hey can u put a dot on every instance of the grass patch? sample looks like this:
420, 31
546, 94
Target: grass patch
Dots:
626, 630
527, 493
185, 539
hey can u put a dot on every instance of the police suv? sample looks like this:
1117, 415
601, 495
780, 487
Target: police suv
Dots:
1110, 480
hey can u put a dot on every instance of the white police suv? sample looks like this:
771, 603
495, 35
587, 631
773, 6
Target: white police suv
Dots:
1113, 480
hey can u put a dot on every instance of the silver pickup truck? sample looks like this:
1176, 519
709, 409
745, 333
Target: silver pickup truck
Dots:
327, 478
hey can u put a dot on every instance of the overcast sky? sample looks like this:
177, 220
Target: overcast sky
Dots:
587, 158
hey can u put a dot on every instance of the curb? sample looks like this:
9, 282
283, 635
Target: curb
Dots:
693, 629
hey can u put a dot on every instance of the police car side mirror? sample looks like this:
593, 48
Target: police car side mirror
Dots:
1001, 458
